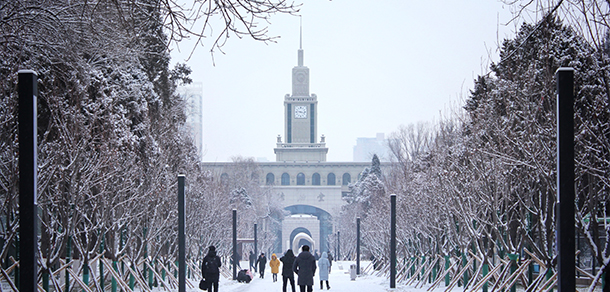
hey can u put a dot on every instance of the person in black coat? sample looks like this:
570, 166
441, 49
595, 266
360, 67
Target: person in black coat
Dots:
261, 261
210, 269
287, 273
252, 259
305, 267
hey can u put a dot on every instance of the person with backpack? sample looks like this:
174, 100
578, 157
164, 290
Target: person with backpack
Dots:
287, 273
210, 269
261, 261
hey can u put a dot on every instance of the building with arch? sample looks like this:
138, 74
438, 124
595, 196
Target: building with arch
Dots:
311, 189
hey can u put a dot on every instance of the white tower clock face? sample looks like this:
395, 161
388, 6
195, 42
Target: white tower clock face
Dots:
300, 112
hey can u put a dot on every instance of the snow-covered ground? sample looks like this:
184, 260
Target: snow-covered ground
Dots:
339, 280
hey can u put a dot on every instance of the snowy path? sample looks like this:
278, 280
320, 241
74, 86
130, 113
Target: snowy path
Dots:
339, 279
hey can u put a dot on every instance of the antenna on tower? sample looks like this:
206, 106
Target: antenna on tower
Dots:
300, 63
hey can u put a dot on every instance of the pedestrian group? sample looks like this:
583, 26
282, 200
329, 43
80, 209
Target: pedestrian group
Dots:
304, 265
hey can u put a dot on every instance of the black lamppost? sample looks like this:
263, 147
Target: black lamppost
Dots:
28, 209
338, 245
358, 246
566, 278
234, 244
393, 241
181, 237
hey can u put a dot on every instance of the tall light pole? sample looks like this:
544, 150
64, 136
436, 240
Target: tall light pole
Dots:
28, 161
234, 244
181, 237
566, 278
358, 246
393, 241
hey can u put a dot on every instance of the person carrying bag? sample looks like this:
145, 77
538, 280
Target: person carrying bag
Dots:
210, 270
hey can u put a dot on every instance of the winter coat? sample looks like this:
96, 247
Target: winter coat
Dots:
274, 263
261, 261
252, 258
287, 261
305, 267
324, 265
211, 274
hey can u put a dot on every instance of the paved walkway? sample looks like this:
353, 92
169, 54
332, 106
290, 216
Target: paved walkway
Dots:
339, 279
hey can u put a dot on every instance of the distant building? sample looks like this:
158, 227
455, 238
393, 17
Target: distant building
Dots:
193, 96
310, 188
366, 147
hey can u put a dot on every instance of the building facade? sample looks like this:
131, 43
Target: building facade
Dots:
193, 97
366, 147
310, 188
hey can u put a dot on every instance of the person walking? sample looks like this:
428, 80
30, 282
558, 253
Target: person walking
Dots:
236, 262
274, 263
324, 265
210, 269
287, 273
305, 267
252, 259
261, 262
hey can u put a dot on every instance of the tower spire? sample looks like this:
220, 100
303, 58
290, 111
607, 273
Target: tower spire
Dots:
301, 43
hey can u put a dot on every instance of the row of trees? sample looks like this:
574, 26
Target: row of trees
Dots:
111, 128
484, 178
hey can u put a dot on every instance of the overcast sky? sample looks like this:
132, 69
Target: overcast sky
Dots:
374, 65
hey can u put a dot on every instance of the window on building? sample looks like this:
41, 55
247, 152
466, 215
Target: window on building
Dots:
285, 179
300, 179
270, 180
224, 179
346, 179
315, 179
330, 179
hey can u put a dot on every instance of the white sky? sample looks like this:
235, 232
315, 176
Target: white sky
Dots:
374, 65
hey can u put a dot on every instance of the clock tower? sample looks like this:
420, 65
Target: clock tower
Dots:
300, 120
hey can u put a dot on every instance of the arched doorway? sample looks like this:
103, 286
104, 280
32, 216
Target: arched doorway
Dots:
309, 214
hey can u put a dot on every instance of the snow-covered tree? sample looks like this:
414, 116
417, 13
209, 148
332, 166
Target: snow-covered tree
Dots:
112, 138
485, 179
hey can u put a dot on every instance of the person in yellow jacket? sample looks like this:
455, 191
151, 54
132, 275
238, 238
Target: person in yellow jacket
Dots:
274, 263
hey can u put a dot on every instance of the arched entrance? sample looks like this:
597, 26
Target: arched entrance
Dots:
310, 220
